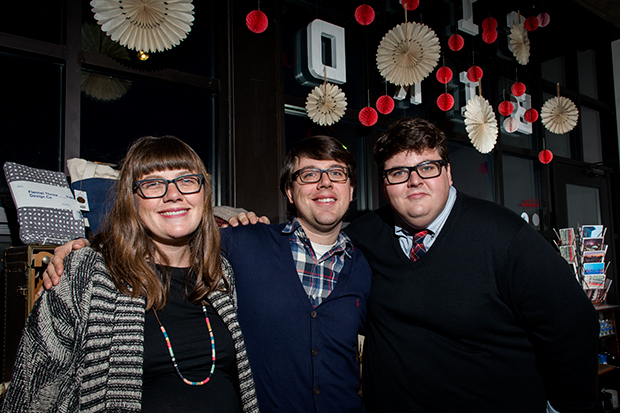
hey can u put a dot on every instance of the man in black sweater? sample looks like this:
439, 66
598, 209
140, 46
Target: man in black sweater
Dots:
470, 309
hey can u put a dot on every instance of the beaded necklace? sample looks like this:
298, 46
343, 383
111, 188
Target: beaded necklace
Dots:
174, 361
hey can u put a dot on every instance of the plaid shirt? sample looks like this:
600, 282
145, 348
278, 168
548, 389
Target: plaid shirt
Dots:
318, 276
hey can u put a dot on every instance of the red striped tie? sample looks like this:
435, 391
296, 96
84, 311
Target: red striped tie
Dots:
418, 249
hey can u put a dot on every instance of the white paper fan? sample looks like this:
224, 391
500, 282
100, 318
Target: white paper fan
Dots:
148, 25
326, 104
559, 115
481, 124
519, 43
408, 53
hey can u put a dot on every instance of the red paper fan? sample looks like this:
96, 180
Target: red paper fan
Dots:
368, 116
256, 21
411, 4
505, 108
444, 74
489, 24
545, 156
531, 23
385, 104
531, 115
543, 19
489, 36
474, 73
364, 14
456, 42
517, 89
445, 102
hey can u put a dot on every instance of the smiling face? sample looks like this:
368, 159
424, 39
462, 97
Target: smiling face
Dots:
418, 201
320, 206
172, 219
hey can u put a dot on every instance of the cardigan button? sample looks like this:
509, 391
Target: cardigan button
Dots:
315, 352
317, 390
313, 314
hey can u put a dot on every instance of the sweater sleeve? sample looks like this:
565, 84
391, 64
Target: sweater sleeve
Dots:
45, 375
560, 320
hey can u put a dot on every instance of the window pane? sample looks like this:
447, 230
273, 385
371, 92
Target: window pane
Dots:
558, 144
583, 205
553, 71
471, 171
591, 135
34, 19
110, 121
521, 190
587, 73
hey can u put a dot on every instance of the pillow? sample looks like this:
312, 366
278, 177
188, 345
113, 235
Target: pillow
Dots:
46, 210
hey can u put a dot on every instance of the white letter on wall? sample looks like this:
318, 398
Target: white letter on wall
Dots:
466, 24
317, 30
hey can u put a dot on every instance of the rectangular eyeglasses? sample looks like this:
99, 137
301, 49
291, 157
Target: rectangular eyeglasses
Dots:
425, 170
313, 175
158, 187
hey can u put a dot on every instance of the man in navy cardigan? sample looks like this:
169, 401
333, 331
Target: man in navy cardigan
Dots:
301, 287
471, 310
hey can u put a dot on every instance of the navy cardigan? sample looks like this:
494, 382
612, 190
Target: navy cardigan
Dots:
303, 358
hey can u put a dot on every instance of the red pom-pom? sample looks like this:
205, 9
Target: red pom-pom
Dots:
364, 14
385, 104
543, 19
456, 42
444, 74
531, 23
411, 4
531, 115
256, 21
505, 108
368, 116
489, 36
545, 156
445, 102
510, 124
474, 73
489, 24
517, 88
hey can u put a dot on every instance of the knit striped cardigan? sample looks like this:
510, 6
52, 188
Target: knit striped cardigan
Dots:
82, 347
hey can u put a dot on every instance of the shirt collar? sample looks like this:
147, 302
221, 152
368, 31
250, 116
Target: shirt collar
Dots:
402, 229
293, 226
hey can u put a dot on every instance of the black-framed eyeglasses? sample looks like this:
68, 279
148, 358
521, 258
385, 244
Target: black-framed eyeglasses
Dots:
158, 187
313, 175
425, 170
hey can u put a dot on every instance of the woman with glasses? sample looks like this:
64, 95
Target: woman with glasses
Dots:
145, 320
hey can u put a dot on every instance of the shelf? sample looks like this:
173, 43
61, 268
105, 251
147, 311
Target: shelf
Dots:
605, 368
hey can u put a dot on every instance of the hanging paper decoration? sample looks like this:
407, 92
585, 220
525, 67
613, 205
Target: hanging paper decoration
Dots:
489, 24
408, 53
530, 115
489, 36
543, 19
444, 74
256, 21
445, 102
519, 43
326, 104
517, 89
368, 116
505, 108
411, 4
559, 115
481, 124
150, 26
456, 42
364, 14
385, 104
474, 73
510, 124
531, 23
545, 156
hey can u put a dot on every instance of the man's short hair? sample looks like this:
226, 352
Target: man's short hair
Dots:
320, 148
409, 135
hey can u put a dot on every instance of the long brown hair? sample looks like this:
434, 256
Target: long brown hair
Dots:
125, 243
